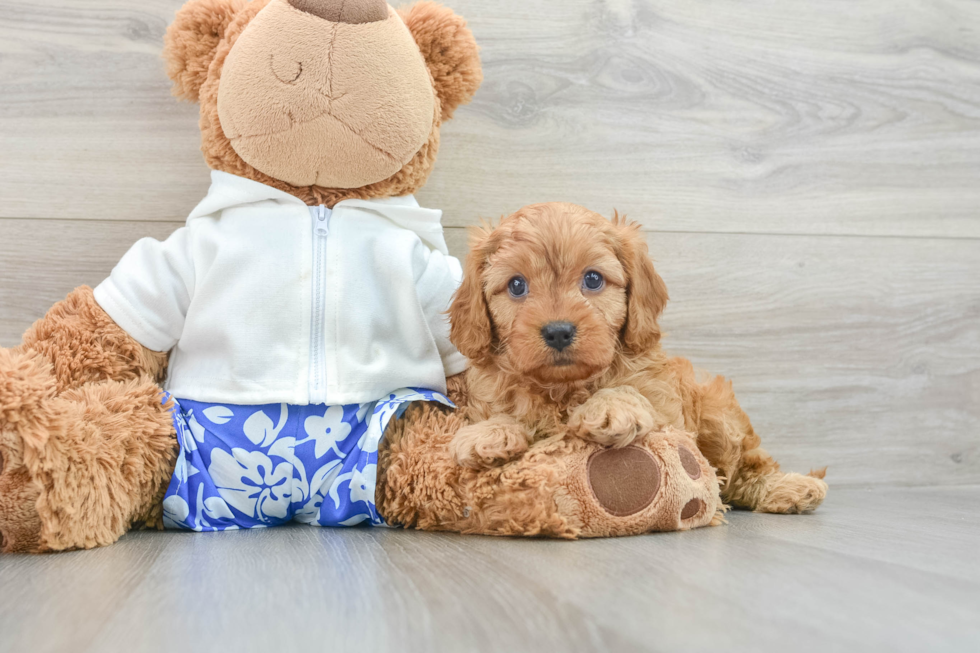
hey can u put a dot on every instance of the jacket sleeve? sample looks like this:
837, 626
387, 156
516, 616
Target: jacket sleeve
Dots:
148, 292
437, 284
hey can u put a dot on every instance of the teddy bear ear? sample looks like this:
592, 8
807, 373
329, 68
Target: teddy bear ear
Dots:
191, 41
449, 49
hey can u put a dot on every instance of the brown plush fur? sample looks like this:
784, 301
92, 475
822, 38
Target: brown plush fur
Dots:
84, 345
86, 441
420, 486
613, 384
191, 41
447, 45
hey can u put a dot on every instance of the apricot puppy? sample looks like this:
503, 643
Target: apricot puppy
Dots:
558, 315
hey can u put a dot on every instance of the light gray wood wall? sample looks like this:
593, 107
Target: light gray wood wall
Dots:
808, 174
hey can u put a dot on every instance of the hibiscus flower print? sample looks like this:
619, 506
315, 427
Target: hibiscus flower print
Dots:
250, 483
327, 431
249, 466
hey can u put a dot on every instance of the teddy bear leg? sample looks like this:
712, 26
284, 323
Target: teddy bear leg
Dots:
661, 482
26, 382
565, 488
752, 478
20, 525
85, 467
417, 477
421, 486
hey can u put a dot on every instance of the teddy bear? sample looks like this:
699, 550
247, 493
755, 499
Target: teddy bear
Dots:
286, 355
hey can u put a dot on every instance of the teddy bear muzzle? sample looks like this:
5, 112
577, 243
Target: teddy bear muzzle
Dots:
353, 12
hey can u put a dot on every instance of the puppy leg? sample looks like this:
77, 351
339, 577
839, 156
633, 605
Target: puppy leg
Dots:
491, 442
752, 478
614, 417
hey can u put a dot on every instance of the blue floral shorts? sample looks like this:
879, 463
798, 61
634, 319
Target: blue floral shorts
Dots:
256, 466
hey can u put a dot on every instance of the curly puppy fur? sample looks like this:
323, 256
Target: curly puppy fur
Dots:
612, 383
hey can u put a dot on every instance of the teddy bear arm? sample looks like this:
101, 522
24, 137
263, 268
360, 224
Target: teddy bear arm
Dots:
84, 345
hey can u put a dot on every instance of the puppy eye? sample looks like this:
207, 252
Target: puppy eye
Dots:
517, 287
593, 280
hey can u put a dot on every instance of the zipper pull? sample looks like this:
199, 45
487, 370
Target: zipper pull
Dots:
323, 220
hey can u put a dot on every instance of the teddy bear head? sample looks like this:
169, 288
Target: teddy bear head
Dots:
324, 99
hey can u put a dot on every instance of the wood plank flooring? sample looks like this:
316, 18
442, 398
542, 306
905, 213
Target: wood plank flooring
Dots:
883, 569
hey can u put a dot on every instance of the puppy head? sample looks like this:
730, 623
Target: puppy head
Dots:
555, 292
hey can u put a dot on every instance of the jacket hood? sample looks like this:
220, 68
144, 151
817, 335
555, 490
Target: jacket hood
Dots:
231, 191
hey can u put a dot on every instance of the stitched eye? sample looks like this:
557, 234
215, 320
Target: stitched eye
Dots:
517, 287
593, 280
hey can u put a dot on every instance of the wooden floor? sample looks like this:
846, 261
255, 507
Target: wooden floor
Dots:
873, 570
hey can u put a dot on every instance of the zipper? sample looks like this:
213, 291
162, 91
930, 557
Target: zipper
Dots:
318, 364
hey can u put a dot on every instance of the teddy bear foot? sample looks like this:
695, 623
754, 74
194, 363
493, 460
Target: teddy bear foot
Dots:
78, 469
660, 483
20, 524
26, 381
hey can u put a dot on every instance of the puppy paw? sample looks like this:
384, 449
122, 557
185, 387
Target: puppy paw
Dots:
490, 442
794, 493
613, 417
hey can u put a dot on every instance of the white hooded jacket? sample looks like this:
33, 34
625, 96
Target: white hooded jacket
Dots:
265, 300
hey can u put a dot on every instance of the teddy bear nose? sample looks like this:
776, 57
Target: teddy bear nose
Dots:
558, 335
353, 12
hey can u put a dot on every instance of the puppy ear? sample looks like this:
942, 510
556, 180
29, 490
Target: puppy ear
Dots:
191, 40
471, 329
449, 50
646, 292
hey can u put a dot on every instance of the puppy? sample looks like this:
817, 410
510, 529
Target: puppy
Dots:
558, 313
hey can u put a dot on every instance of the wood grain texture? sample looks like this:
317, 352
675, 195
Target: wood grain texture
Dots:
889, 570
835, 117
761, 116
41, 261
858, 353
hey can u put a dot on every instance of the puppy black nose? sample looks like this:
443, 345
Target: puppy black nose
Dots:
558, 335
